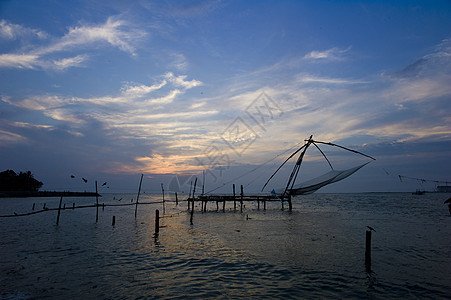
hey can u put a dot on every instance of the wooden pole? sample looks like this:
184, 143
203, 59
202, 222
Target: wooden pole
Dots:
114, 221
192, 213
194, 189
33, 206
368, 250
192, 202
234, 201
137, 198
97, 204
189, 195
223, 205
157, 222
162, 191
59, 211
176, 199
241, 199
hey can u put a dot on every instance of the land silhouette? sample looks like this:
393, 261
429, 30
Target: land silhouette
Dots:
23, 184
24, 181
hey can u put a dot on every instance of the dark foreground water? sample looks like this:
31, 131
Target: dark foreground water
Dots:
316, 251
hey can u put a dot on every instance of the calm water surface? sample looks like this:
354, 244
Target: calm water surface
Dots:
316, 251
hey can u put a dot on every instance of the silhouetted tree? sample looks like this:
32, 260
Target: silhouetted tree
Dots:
24, 181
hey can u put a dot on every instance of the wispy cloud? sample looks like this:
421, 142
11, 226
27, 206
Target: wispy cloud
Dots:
136, 91
180, 81
114, 32
308, 78
15, 31
20, 61
332, 54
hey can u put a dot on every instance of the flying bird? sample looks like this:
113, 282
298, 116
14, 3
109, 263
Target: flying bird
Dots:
104, 183
85, 180
371, 228
72, 176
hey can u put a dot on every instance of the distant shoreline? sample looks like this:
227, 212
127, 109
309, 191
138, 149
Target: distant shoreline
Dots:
25, 194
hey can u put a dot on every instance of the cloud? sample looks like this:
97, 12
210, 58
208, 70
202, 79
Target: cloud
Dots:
15, 31
19, 61
333, 54
7, 137
114, 32
308, 78
66, 63
180, 81
169, 98
179, 61
136, 91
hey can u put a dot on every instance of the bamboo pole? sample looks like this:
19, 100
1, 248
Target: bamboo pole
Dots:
368, 250
59, 211
97, 204
241, 199
192, 202
189, 195
137, 198
234, 201
162, 191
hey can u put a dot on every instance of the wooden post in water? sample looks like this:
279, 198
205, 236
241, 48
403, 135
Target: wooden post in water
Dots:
189, 195
234, 201
176, 199
223, 204
137, 198
162, 191
290, 206
59, 211
114, 221
73, 205
192, 202
33, 206
264, 204
157, 222
241, 199
368, 250
97, 204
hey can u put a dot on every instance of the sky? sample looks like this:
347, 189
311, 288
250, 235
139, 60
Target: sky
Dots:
224, 91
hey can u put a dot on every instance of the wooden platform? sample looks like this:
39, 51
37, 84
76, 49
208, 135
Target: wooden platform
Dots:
236, 200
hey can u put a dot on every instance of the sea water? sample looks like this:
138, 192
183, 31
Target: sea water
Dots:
315, 251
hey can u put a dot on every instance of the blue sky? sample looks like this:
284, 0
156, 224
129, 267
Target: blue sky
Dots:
108, 90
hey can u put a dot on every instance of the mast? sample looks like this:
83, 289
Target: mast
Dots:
296, 168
